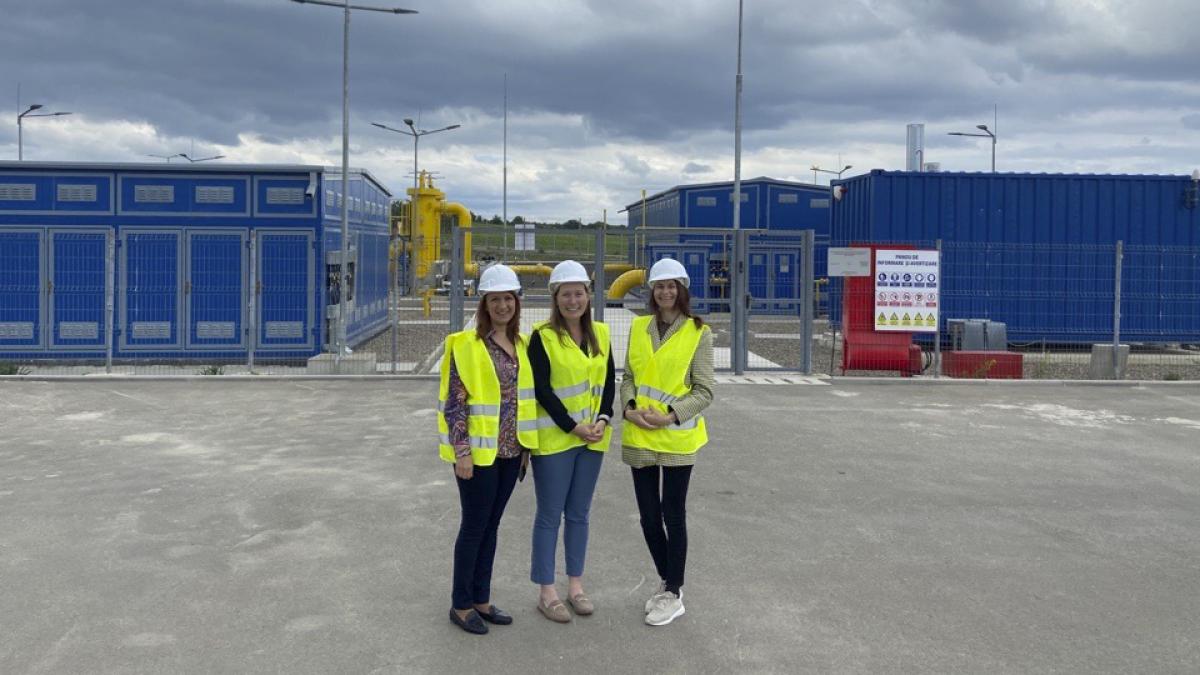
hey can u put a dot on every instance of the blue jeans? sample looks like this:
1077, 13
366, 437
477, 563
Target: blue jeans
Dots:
564, 484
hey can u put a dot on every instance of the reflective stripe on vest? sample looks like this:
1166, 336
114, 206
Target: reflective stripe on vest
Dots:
661, 377
577, 379
478, 373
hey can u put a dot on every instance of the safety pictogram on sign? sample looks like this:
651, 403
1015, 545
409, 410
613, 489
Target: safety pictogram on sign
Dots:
906, 290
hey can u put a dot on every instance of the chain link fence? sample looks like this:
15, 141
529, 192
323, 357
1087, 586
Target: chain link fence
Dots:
77, 302
1032, 311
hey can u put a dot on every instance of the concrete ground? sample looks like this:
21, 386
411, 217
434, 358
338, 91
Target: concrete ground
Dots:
307, 526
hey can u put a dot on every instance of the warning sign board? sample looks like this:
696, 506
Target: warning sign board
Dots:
907, 290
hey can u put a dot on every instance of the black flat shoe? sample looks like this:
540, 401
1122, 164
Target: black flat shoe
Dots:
495, 615
471, 624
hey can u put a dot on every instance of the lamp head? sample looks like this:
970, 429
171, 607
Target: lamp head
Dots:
408, 121
35, 106
981, 127
453, 126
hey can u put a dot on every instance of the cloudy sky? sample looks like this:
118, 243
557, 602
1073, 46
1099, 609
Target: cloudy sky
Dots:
607, 97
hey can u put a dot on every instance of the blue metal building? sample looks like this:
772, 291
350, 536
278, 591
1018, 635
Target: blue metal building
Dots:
1037, 251
767, 204
195, 247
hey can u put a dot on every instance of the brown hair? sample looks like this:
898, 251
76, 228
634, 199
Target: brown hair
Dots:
483, 320
559, 323
682, 301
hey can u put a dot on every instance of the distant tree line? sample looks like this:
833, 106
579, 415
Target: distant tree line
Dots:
398, 208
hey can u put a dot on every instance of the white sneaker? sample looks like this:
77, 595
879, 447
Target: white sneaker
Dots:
667, 608
662, 586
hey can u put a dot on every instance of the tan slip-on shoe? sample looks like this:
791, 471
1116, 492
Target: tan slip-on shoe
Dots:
582, 604
555, 611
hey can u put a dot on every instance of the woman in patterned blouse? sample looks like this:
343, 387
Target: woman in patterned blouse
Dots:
484, 490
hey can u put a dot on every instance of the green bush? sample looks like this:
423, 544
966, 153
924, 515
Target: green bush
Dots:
213, 370
12, 369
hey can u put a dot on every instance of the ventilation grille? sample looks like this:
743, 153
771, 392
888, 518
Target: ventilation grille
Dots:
154, 194
76, 193
144, 330
215, 330
818, 203
285, 329
79, 330
16, 330
789, 198
281, 195
706, 201
18, 192
214, 194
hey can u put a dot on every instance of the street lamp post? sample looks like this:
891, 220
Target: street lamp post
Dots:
30, 113
345, 6
816, 169
416, 136
986, 134
412, 209
193, 160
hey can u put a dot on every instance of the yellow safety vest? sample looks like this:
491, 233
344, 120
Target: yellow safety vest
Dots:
478, 374
660, 379
578, 381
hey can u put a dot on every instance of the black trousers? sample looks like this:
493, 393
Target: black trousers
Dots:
664, 507
483, 499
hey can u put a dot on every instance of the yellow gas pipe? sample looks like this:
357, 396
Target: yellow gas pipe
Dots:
618, 267
622, 284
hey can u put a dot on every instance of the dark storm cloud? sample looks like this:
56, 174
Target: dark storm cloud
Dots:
621, 94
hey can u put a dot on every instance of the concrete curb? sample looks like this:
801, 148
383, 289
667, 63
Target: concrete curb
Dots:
951, 381
433, 377
212, 378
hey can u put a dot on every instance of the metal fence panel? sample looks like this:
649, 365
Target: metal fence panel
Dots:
77, 288
21, 281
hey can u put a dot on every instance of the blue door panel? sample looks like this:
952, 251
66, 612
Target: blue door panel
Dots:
77, 293
285, 275
20, 289
151, 294
215, 289
786, 277
759, 283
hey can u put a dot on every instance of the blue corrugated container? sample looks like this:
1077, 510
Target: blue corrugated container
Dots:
767, 203
1038, 251
182, 277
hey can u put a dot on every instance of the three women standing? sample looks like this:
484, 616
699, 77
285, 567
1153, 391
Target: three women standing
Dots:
503, 397
486, 424
574, 383
668, 382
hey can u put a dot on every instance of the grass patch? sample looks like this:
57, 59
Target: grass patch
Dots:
13, 369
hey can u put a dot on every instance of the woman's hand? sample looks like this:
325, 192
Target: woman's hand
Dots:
637, 416
464, 467
657, 420
590, 433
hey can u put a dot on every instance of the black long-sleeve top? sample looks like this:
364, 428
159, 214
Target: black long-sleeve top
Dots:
539, 362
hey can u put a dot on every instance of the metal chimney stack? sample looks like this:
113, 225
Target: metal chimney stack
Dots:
914, 156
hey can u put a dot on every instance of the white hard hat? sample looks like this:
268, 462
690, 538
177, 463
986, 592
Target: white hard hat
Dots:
668, 268
565, 272
498, 278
